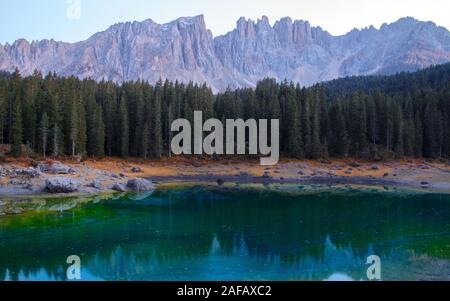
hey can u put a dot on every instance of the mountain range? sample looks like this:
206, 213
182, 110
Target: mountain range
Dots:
186, 50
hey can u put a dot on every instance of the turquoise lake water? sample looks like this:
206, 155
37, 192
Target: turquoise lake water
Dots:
247, 232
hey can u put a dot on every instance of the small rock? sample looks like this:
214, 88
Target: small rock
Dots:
375, 168
136, 170
122, 175
301, 173
354, 165
220, 182
424, 183
115, 176
386, 175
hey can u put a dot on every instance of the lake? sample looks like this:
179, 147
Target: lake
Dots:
203, 231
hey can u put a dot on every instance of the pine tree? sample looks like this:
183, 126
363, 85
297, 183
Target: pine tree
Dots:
399, 129
3, 110
418, 138
100, 133
55, 140
44, 131
123, 128
307, 126
16, 128
73, 131
316, 146
156, 140
294, 132
341, 140
145, 141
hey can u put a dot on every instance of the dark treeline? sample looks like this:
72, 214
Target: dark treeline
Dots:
369, 117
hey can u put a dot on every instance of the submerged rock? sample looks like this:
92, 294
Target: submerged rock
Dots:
61, 185
140, 185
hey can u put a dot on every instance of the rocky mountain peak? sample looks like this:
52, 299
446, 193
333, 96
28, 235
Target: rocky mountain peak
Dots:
186, 50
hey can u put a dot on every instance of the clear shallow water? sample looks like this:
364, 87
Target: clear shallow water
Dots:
206, 232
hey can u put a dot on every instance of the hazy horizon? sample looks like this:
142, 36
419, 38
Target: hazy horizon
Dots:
65, 20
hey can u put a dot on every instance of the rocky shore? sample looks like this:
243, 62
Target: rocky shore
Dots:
23, 177
59, 178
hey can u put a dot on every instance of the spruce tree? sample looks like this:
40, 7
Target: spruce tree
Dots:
156, 124
16, 128
3, 109
44, 131
100, 133
123, 128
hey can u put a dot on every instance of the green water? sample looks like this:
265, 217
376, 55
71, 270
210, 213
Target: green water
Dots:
206, 232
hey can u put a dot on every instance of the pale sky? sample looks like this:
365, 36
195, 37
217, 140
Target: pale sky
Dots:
39, 19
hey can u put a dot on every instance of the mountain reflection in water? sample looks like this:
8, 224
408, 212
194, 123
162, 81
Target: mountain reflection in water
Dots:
248, 233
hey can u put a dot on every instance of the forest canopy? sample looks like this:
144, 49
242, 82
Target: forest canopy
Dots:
372, 117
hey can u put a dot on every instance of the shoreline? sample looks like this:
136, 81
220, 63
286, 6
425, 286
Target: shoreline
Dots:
245, 179
18, 177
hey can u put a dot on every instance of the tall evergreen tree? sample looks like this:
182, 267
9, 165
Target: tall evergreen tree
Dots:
123, 128
16, 128
44, 131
